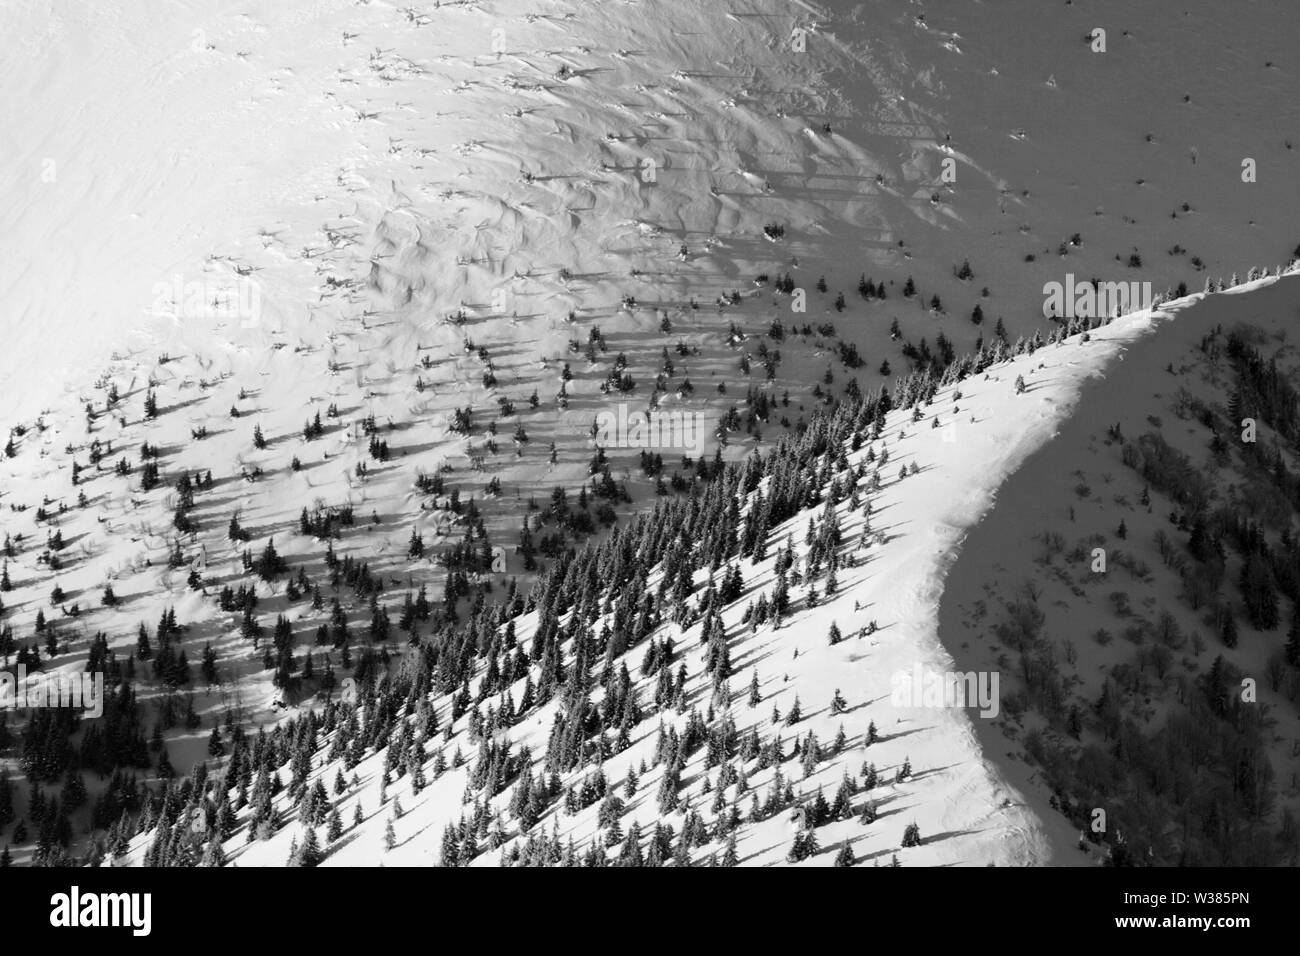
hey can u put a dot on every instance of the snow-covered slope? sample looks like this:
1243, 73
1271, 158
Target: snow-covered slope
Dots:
273, 212
892, 576
151, 145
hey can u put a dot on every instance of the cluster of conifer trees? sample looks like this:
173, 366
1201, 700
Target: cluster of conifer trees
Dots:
719, 518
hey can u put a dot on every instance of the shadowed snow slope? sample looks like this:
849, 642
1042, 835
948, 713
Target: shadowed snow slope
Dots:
1132, 474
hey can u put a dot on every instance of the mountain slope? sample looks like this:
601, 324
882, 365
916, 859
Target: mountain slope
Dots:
469, 231
1101, 585
964, 812
302, 144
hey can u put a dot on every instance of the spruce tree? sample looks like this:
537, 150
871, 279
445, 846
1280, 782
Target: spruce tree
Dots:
309, 854
1259, 594
214, 854
6, 800
1293, 641
911, 835
729, 855
1228, 630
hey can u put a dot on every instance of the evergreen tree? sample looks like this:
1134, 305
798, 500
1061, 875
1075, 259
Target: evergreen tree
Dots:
1293, 641
1228, 630
870, 811
6, 800
214, 855
310, 855
729, 855
1259, 594
911, 835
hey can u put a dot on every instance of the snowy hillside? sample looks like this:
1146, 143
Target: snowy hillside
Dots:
328, 332
436, 151
505, 775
